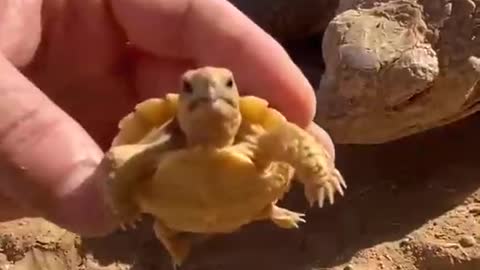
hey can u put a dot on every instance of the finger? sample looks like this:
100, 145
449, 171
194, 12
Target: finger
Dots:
214, 32
155, 77
322, 136
46, 157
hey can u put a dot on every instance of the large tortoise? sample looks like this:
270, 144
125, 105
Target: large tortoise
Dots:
395, 68
209, 161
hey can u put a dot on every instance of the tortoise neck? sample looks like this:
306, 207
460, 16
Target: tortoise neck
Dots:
213, 133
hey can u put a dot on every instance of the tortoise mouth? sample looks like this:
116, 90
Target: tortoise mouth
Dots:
210, 102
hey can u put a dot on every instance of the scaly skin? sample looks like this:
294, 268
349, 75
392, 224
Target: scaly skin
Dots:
208, 107
312, 163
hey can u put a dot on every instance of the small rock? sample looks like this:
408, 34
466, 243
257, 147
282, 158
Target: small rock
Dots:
467, 241
348, 267
475, 210
405, 242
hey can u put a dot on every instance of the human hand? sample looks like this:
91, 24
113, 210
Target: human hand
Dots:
67, 75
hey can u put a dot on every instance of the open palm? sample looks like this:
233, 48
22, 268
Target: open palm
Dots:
70, 69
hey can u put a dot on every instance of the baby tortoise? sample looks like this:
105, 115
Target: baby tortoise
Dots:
208, 161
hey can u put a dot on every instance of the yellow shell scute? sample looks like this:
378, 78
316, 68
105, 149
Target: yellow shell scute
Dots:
172, 99
152, 110
147, 115
256, 111
132, 129
121, 153
272, 119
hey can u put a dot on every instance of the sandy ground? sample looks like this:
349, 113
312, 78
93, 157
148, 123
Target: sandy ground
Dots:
411, 204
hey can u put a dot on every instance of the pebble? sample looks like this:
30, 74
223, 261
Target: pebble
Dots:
467, 241
348, 267
475, 210
405, 242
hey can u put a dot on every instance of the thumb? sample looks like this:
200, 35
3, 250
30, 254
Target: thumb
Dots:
48, 162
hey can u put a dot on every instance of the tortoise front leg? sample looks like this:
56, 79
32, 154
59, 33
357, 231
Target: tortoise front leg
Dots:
129, 166
313, 165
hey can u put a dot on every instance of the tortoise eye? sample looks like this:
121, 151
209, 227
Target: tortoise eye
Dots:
187, 87
229, 83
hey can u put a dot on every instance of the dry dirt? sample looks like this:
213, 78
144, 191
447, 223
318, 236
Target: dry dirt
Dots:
411, 204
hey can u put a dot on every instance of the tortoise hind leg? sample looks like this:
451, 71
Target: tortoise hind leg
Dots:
177, 246
282, 217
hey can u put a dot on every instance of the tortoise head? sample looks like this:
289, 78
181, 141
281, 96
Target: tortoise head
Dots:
208, 107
